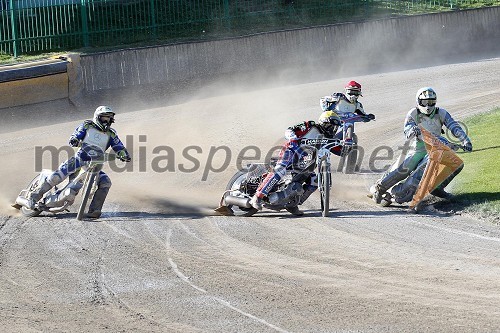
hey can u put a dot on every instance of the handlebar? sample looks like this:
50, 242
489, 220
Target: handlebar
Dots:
456, 147
353, 117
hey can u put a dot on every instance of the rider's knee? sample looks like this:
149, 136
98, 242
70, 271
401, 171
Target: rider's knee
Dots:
104, 181
280, 170
54, 178
310, 187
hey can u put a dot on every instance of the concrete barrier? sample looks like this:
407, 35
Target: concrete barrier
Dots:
32, 83
423, 38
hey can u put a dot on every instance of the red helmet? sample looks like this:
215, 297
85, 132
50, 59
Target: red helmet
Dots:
352, 91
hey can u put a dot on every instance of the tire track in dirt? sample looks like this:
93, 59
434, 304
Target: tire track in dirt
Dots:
385, 276
6, 234
167, 246
102, 295
3, 241
303, 274
102, 290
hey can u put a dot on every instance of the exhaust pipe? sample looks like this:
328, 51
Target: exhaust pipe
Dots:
237, 201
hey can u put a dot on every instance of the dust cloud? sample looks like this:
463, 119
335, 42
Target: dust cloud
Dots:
178, 133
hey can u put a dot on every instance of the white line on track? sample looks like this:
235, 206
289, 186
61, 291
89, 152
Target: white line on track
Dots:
219, 300
183, 277
460, 232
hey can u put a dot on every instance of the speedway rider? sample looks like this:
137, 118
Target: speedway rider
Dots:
346, 102
431, 118
93, 137
291, 152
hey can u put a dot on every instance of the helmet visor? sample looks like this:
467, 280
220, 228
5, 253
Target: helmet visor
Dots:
106, 119
353, 92
427, 102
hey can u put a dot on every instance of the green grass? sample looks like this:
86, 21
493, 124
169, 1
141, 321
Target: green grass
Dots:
6, 59
478, 185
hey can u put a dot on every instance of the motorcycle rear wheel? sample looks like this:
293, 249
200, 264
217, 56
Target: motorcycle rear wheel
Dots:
31, 212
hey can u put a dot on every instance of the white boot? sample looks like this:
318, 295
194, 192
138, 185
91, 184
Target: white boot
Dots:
256, 202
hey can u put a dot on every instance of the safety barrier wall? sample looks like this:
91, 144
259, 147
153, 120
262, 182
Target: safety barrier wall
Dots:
423, 38
29, 84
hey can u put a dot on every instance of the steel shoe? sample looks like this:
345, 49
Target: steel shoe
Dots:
440, 193
93, 215
294, 211
377, 193
256, 202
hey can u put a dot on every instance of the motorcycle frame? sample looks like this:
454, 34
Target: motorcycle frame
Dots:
85, 173
322, 146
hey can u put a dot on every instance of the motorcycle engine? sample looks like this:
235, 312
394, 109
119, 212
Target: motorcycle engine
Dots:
283, 196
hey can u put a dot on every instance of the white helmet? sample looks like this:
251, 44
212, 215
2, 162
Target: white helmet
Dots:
426, 100
99, 117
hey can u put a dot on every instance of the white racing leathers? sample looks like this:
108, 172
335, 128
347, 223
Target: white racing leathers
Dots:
339, 103
414, 162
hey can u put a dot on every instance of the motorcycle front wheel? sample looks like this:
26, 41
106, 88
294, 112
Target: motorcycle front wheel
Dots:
89, 183
324, 188
349, 163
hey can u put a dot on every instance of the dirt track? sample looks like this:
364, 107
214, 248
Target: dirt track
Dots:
158, 262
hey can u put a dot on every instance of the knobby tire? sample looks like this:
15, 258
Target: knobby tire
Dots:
324, 189
86, 194
31, 212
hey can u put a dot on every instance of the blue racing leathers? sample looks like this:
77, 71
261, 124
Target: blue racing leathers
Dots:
94, 142
339, 104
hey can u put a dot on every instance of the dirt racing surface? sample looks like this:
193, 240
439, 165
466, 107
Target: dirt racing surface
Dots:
160, 261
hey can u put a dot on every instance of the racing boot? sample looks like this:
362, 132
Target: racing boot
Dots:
38, 193
377, 193
256, 201
294, 210
97, 203
441, 193
402, 193
307, 193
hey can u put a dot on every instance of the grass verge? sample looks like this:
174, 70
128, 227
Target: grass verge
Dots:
478, 185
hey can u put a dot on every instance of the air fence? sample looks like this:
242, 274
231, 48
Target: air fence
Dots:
38, 26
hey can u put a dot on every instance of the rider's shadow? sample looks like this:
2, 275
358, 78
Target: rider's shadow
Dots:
400, 210
131, 216
480, 149
163, 209
465, 200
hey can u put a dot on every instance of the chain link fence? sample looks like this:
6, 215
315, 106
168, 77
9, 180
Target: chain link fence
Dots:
37, 26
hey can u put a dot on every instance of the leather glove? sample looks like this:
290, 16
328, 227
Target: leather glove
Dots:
293, 144
74, 142
467, 146
416, 131
370, 116
124, 156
